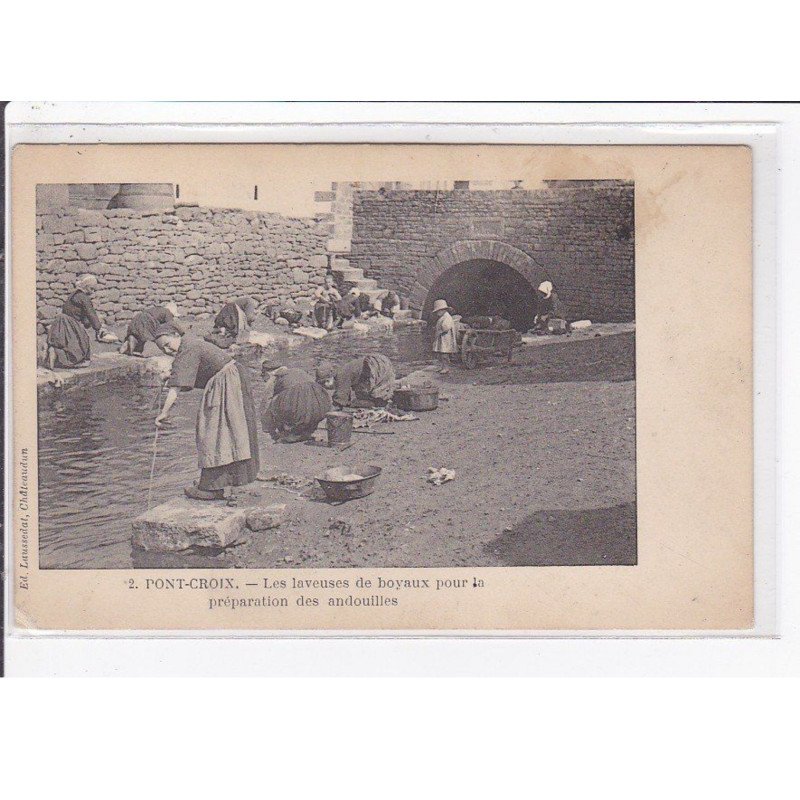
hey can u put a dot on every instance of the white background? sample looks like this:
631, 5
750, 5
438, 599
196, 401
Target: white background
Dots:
477, 739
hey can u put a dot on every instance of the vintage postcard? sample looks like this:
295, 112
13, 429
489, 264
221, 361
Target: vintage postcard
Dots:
381, 387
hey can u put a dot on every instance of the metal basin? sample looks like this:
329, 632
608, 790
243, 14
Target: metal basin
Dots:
337, 488
417, 398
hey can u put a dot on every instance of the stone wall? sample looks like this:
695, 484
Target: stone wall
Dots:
199, 257
579, 235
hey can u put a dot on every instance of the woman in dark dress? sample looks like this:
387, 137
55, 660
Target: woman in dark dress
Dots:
297, 406
352, 306
227, 426
326, 297
390, 304
363, 382
67, 340
234, 318
151, 325
548, 308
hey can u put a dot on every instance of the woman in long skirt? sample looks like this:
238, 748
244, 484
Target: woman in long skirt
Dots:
364, 382
227, 426
548, 308
235, 318
326, 297
67, 341
297, 406
151, 325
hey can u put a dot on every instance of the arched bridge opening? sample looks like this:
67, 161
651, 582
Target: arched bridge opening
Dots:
485, 287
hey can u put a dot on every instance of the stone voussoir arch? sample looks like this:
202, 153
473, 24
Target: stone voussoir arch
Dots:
469, 250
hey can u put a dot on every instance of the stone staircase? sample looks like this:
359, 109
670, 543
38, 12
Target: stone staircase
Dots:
348, 277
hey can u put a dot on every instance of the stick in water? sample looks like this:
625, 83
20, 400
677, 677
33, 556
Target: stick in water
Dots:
157, 402
152, 469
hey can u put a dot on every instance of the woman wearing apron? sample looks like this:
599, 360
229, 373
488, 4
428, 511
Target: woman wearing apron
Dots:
227, 425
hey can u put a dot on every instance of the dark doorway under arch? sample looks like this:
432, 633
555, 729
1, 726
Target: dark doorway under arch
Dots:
485, 287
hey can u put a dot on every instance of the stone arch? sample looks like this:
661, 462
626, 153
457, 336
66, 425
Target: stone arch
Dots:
470, 250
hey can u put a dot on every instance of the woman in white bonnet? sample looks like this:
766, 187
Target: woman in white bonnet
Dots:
67, 340
548, 307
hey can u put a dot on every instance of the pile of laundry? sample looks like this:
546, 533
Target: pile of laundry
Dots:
364, 417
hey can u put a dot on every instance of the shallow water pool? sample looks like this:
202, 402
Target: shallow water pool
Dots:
96, 450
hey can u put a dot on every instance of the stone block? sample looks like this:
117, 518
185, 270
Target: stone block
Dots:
55, 224
86, 251
339, 246
180, 524
85, 216
262, 518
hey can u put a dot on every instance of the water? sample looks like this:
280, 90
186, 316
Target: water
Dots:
96, 447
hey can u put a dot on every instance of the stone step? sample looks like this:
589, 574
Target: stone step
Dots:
340, 263
348, 275
365, 283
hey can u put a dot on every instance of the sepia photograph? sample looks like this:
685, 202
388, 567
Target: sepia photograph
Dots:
315, 386
364, 374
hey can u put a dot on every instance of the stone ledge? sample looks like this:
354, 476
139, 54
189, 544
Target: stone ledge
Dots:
181, 524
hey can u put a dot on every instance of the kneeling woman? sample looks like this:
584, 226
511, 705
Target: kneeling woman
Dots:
364, 382
67, 340
150, 325
227, 427
297, 406
548, 309
234, 320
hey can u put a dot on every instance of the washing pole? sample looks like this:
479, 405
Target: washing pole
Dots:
152, 468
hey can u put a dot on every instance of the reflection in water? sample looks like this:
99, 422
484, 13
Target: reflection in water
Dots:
96, 446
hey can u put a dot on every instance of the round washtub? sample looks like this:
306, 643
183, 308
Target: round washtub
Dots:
420, 398
349, 482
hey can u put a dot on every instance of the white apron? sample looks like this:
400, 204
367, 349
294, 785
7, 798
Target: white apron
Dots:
221, 433
244, 327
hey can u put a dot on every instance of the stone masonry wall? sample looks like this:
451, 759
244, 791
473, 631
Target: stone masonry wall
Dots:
199, 257
578, 235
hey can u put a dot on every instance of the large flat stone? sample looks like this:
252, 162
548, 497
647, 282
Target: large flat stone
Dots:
180, 524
